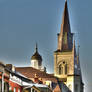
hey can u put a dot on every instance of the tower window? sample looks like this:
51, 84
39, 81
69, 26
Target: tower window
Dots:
65, 68
60, 69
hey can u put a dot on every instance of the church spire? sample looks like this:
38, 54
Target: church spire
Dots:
65, 35
74, 48
78, 54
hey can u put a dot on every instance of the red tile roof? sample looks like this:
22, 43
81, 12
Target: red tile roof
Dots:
30, 72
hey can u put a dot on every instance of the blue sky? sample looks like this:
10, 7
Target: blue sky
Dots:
25, 22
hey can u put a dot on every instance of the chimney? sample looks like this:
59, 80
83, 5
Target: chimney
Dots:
9, 66
36, 80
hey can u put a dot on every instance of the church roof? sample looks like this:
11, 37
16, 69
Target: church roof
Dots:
30, 72
65, 20
65, 35
36, 55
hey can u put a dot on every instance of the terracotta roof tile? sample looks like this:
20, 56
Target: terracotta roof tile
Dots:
30, 73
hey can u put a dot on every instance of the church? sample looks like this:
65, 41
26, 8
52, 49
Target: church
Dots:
67, 76
66, 60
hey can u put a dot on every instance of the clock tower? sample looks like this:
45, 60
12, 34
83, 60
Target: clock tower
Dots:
66, 61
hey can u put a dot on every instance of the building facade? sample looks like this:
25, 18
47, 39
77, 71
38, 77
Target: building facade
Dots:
66, 60
4, 78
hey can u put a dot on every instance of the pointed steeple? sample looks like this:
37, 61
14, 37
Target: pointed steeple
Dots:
78, 63
74, 48
78, 55
65, 26
65, 35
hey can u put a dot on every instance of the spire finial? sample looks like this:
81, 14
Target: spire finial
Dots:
65, 0
36, 47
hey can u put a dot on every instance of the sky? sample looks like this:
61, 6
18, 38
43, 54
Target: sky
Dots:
25, 22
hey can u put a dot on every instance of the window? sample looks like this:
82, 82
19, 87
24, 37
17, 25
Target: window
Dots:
33, 90
76, 87
14, 89
60, 69
65, 68
18, 90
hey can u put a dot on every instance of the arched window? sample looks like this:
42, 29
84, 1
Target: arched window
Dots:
60, 69
65, 68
